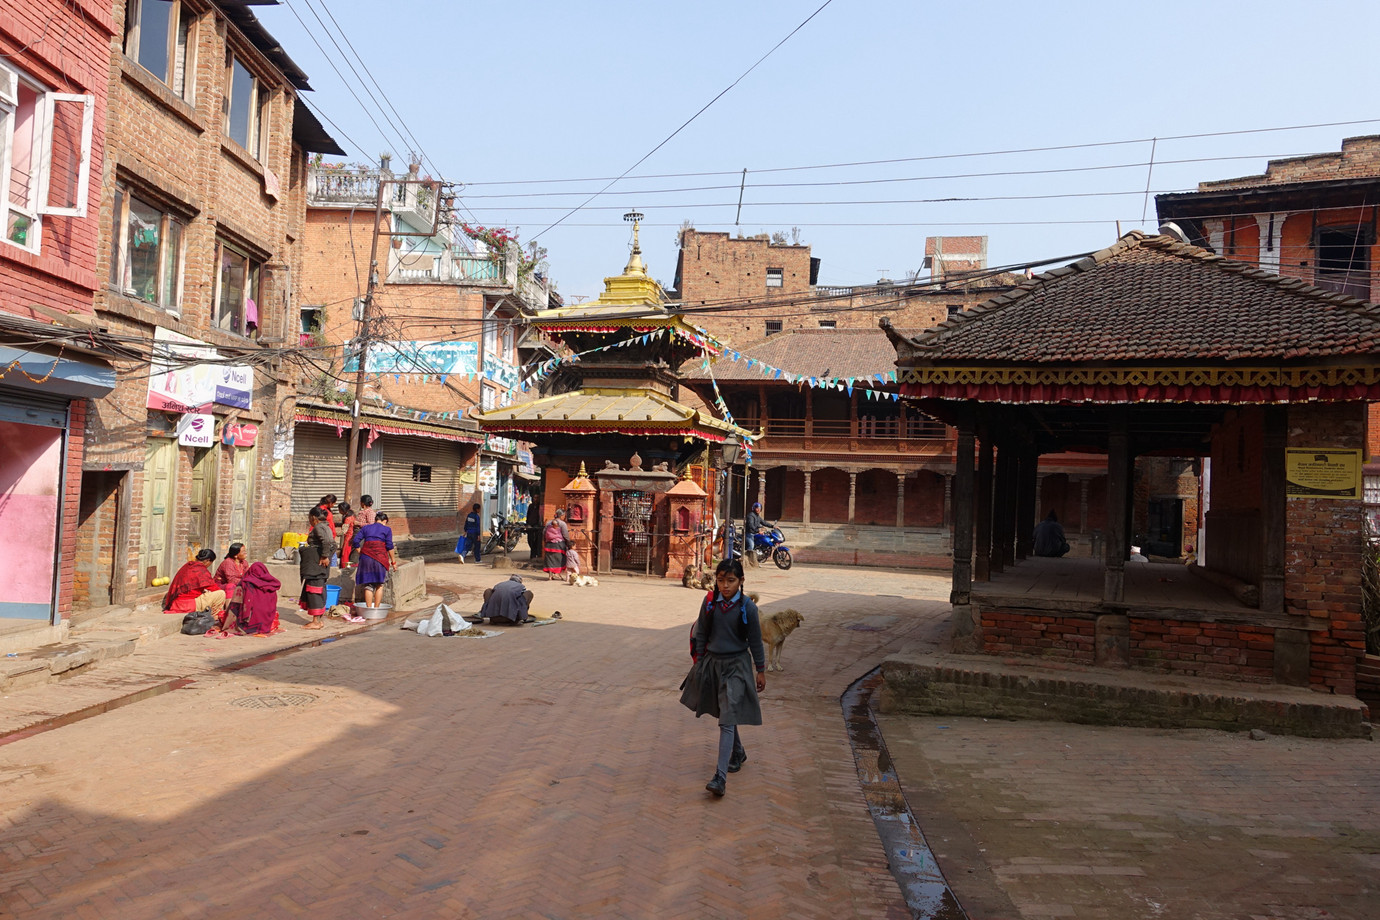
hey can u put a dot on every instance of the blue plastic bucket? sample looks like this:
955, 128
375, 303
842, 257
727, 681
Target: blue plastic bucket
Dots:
332, 595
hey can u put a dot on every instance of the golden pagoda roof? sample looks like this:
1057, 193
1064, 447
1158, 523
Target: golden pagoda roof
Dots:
633, 298
607, 410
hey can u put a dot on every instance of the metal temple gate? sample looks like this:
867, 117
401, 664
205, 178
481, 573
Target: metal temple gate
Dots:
632, 529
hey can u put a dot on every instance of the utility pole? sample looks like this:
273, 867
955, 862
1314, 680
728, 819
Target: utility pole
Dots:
352, 470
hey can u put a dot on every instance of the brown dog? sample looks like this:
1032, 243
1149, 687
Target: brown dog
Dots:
775, 628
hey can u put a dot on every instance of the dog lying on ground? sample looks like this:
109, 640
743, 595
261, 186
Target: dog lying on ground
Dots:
775, 628
584, 581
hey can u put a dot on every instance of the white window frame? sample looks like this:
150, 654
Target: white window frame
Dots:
45, 105
776, 277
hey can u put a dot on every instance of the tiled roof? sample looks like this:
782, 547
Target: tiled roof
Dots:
604, 409
807, 353
1152, 299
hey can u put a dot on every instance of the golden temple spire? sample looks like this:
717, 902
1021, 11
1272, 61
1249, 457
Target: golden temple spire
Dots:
635, 266
582, 474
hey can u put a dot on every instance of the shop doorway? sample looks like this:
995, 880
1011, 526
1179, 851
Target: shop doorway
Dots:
201, 522
242, 494
30, 494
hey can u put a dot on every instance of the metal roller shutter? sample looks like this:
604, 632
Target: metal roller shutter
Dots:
318, 468
402, 494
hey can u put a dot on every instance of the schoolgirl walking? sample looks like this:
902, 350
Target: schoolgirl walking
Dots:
727, 646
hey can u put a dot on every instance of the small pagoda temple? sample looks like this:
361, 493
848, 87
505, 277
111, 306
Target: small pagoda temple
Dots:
611, 406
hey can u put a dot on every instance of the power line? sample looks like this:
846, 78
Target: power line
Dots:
667, 139
946, 156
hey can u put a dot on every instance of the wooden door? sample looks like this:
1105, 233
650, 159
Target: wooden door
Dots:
160, 479
242, 494
201, 527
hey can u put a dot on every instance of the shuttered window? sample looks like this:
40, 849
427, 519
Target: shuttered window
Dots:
318, 468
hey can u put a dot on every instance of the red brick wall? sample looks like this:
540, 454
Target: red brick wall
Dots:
1322, 552
1006, 632
925, 500
1222, 650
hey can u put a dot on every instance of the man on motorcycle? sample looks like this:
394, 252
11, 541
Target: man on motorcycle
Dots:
752, 525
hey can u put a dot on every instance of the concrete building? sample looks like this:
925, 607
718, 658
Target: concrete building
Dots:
448, 330
53, 359
201, 210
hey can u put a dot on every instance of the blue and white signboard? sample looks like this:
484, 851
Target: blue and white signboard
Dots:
418, 358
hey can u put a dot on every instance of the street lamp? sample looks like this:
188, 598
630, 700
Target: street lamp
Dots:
729, 451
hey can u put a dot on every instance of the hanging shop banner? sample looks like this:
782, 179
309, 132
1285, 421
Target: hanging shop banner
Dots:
418, 358
528, 466
178, 383
498, 445
196, 430
1322, 473
488, 475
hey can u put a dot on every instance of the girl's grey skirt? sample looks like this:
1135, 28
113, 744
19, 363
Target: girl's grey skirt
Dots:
723, 686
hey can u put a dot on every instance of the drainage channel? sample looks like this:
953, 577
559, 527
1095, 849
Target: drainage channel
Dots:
177, 683
912, 863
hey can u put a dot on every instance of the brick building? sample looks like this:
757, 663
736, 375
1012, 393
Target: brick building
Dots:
1311, 217
449, 333
201, 223
53, 62
1267, 379
744, 289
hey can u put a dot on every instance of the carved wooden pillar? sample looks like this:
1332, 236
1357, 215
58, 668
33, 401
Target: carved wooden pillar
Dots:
1118, 483
809, 414
1273, 509
806, 508
982, 511
900, 499
852, 493
1083, 505
948, 499
964, 489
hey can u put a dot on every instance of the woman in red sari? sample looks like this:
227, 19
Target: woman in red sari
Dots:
259, 609
193, 588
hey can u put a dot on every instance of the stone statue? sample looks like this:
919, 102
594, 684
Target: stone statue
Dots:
662, 467
635, 462
610, 465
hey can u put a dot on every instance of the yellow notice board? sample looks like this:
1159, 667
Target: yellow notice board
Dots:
1322, 473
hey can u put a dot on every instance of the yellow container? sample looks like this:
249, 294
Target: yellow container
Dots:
293, 540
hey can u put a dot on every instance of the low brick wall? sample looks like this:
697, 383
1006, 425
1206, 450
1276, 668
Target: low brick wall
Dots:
1001, 691
1230, 651
1006, 632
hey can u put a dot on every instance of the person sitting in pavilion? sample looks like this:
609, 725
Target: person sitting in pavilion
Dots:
1049, 537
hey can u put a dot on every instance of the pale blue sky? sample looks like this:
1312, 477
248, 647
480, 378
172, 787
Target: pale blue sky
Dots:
508, 92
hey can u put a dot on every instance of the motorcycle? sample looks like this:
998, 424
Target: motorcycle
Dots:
768, 543
503, 534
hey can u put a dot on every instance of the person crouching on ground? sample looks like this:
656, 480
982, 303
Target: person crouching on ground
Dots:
193, 588
1049, 537
315, 567
376, 557
572, 564
727, 644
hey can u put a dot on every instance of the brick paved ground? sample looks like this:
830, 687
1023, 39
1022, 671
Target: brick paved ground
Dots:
548, 772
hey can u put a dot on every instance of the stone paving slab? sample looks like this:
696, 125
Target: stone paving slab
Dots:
547, 772
1044, 819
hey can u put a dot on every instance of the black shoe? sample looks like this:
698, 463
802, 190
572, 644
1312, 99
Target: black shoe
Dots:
717, 785
736, 761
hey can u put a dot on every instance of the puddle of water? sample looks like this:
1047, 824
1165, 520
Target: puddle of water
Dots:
912, 863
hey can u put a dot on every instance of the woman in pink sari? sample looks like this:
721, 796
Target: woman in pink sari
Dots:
259, 607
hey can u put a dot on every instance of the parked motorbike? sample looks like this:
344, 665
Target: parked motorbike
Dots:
768, 543
504, 534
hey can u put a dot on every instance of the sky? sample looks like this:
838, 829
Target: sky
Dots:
537, 106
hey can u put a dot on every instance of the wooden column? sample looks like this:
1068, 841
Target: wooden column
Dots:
948, 499
1028, 464
1118, 484
1004, 527
1083, 505
1273, 509
900, 499
982, 511
852, 493
806, 507
762, 409
964, 489
809, 414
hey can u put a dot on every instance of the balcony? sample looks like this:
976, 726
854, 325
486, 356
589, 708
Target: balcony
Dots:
448, 267
358, 187
880, 435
